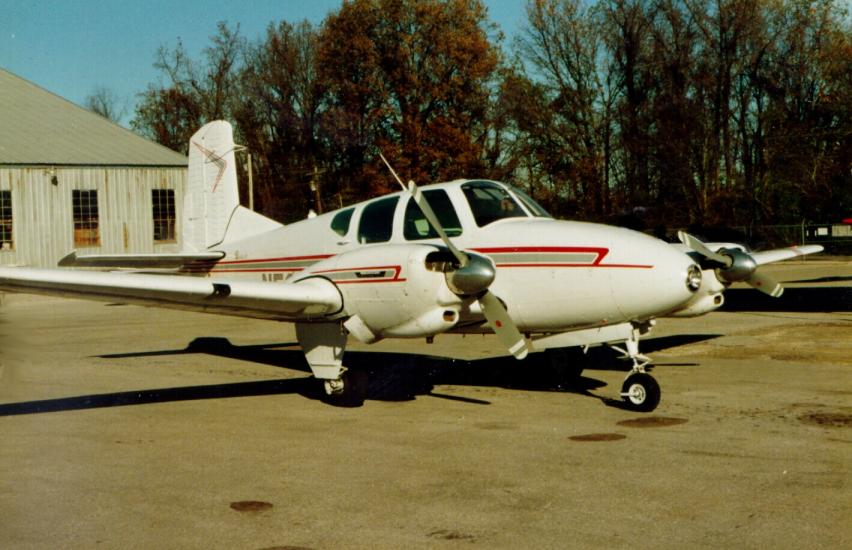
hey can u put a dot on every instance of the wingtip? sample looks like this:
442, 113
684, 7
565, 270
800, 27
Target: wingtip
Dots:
68, 260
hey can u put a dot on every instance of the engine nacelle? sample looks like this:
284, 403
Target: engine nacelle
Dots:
707, 298
391, 291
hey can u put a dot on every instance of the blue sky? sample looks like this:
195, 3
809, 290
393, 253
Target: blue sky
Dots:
71, 47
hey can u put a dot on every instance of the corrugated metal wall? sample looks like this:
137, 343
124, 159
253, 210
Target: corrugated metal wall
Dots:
42, 212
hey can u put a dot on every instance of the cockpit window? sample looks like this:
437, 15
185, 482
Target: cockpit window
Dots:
489, 202
416, 226
534, 207
340, 221
376, 224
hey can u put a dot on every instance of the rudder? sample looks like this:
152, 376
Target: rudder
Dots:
212, 194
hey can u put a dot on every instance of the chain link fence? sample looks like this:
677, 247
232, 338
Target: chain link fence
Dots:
836, 238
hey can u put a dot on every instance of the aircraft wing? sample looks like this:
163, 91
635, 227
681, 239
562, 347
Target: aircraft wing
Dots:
769, 256
312, 298
140, 261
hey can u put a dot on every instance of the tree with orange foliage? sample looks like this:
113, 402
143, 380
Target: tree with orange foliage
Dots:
411, 79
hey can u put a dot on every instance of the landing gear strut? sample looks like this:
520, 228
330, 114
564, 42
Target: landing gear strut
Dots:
324, 344
640, 391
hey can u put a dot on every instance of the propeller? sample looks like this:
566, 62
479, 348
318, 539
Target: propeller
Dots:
735, 265
472, 278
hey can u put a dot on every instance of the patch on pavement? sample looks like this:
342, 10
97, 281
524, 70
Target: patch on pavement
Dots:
251, 506
450, 534
652, 422
830, 419
597, 437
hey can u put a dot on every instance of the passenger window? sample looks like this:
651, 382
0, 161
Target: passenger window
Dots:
340, 222
416, 226
489, 202
377, 221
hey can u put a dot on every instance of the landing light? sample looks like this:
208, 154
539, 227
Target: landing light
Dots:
693, 278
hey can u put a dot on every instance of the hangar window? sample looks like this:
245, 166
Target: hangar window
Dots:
85, 207
6, 242
163, 204
376, 224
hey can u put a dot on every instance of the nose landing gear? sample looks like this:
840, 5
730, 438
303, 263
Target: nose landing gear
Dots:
640, 391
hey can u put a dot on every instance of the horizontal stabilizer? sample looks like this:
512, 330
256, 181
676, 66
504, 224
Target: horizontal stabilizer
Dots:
140, 261
313, 298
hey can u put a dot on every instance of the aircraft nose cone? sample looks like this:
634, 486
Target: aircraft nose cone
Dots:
664, 283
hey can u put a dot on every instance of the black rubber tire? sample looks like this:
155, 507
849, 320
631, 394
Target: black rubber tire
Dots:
355, 385
643, 390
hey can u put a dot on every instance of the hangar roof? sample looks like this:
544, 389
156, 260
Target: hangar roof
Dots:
39, 127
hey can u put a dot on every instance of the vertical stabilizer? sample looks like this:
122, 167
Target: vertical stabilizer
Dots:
212, 194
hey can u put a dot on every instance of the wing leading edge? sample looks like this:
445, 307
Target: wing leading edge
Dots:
311, 298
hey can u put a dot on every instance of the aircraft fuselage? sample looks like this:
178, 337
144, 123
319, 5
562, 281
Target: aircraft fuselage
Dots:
553, 274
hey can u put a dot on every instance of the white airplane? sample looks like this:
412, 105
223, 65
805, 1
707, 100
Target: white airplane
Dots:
466, 256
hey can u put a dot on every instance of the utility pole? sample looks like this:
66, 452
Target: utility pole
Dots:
243, 148
250, 182
315, 188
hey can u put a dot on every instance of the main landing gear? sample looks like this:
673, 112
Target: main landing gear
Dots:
324, 344
640, 391
349, 390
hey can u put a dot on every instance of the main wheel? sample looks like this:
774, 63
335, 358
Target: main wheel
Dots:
641, 392
350, 391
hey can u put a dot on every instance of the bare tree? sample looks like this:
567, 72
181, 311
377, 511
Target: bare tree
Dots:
105, 102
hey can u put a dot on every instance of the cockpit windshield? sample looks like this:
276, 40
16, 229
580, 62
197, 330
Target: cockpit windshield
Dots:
490, 202
535, 208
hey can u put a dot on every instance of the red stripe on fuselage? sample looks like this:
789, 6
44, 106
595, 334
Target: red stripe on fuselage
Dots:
600, 251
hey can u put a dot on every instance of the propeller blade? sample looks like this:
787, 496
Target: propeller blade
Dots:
701, 248
765, 284
505, 329
421, 201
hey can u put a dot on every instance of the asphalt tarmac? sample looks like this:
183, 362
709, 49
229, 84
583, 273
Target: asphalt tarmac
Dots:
128, 427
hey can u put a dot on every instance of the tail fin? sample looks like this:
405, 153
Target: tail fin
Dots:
211, 194
212, 201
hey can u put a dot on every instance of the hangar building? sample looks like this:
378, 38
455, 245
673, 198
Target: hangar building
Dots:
73, 180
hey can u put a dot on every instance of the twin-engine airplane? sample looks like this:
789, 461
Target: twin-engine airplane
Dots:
466, 256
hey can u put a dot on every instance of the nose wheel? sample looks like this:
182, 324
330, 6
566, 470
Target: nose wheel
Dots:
641, 392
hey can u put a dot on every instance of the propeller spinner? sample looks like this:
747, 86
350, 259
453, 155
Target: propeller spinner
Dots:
734, 266
473, 277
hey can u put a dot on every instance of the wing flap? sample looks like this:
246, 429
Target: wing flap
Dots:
140, 261
307, 299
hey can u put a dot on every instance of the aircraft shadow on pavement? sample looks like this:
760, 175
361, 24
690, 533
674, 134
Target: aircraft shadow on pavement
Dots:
795, 299
393, 376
